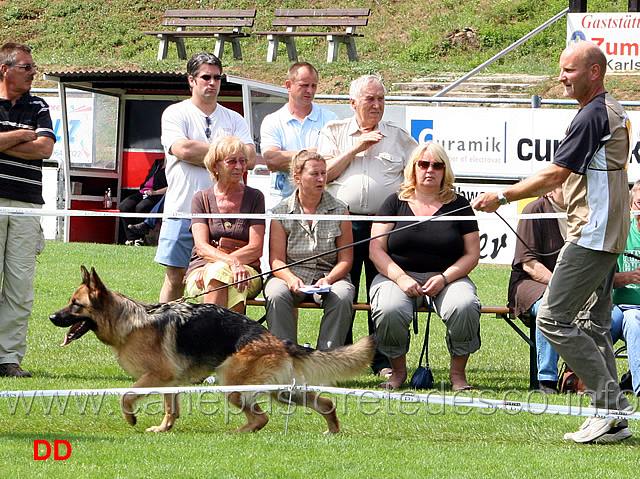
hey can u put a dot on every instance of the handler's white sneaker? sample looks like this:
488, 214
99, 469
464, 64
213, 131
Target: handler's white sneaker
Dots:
593, 428
615, 434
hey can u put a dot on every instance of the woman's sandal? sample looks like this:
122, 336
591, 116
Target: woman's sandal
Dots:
457, 389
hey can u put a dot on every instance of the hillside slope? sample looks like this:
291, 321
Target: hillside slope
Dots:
404, 39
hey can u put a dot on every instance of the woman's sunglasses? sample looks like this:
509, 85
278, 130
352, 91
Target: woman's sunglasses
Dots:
436, 165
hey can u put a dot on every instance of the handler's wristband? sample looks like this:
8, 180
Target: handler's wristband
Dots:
446, 282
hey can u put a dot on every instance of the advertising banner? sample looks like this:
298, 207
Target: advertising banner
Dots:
615, 33
80, 116
502, 143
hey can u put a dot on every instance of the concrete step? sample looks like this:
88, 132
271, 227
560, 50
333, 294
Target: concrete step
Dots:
490, 86
461, 94
476, 87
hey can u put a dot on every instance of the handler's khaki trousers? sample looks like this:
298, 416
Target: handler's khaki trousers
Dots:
21, 240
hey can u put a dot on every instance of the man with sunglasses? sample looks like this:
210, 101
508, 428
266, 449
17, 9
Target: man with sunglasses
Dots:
26, 138
188, 128
590, 164
366, 156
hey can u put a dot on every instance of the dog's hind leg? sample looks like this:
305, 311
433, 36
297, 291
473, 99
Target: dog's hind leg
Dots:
256, 417
322, 405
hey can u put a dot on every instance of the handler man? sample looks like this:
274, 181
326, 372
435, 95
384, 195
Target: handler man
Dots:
26, 138
590, 163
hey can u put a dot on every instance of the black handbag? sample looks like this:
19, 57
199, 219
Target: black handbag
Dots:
423, 377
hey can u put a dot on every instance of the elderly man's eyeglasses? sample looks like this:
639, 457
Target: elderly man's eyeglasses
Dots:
209, 77
436, 165
27, 67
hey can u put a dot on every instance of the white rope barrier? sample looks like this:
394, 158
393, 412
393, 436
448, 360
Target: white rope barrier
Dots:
271, 216
463, 399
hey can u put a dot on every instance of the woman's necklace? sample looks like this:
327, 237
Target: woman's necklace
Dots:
228, 203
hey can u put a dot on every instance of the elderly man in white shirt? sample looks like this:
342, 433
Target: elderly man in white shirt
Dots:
366, 156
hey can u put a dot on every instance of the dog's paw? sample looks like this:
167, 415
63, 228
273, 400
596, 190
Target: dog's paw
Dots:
159, 428
130, 418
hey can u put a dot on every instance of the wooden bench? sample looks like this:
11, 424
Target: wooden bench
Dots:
501, 312
332, 19
232, 21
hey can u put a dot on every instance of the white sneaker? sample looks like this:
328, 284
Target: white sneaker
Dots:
593, 428
615, 434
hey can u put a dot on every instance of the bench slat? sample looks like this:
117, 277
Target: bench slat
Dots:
367, 306
199, 33
320, 22
182, 13
325, 12
309, 34
181, 22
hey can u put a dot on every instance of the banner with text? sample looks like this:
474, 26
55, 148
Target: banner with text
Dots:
80, 114
499, 143
615, 33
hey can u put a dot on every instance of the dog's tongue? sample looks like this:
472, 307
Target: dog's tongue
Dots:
68, 337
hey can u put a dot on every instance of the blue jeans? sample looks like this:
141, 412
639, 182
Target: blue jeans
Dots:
158, 208
547, 358
628, 328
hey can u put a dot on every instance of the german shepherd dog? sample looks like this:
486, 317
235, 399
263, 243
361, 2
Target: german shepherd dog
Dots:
169, 344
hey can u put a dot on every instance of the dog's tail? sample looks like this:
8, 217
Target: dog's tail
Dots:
328, 366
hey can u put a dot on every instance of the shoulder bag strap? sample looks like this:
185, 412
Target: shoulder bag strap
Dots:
425, 346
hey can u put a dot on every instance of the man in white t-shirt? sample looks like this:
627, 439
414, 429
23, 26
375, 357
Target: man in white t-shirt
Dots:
293, 127
188, 128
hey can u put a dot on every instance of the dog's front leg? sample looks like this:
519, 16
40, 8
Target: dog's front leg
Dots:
128, 402
171, 413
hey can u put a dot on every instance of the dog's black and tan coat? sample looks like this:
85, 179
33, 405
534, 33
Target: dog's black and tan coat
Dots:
169, 344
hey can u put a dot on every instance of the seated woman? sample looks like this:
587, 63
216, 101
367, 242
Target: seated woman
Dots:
152, 190
430, 260
293, 240
226, 250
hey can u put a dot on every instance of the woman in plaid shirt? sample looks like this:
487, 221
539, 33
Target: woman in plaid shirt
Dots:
293, 240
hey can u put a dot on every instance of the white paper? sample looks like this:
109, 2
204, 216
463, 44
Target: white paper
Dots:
312, 288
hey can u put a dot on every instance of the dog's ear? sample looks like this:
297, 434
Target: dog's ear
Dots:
95, 282
85, 275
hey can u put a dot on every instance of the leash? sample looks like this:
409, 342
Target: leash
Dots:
629, 255
523, 241
310, 258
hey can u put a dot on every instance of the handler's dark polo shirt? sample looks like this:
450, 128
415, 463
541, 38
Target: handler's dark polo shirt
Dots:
21, 180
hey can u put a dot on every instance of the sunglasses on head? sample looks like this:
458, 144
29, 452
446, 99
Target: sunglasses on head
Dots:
207, 130
436, 165
209, 77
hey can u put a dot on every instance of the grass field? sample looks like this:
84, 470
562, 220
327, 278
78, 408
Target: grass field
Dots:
377, 439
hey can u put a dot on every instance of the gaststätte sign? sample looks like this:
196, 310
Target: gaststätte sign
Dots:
616, 34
